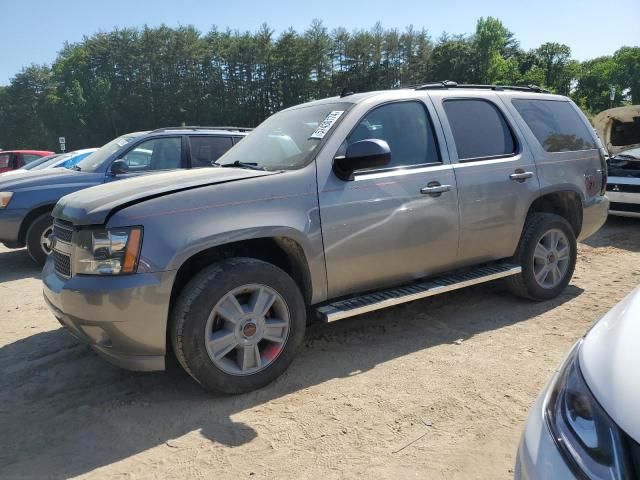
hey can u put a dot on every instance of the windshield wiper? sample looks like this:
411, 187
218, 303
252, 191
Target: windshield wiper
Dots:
239, 164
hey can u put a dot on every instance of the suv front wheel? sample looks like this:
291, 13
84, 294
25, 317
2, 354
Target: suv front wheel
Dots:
237, 325
547, 253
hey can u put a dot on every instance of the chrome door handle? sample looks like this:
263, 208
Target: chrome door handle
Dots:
435, 189
520, 175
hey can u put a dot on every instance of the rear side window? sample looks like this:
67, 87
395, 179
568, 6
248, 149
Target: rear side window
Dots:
4, 160
479, 129
556, 125
407, 129
206, 150
28, 158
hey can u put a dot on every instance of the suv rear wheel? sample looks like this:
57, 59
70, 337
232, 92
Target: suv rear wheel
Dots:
37, 238
237, 325
547, 253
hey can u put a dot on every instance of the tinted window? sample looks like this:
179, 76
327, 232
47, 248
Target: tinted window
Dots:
556, 125
479, 129
27, 158
4, 160
206, 150
407, 129
155, 154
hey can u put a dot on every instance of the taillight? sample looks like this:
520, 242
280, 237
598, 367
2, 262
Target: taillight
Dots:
604, 171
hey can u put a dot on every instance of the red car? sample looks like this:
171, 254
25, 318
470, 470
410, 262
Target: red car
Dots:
13, 159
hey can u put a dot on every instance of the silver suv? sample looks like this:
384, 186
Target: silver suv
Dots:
336, 207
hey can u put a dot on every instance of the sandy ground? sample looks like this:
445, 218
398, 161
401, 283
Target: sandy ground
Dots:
359, 393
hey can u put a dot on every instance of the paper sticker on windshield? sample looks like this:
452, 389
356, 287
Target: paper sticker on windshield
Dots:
326, 124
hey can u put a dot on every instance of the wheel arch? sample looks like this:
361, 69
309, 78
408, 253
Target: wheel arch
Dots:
281, 251
30, 217
565, 203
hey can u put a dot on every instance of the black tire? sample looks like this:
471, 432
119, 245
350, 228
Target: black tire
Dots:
198, 299
34, 234
525, 284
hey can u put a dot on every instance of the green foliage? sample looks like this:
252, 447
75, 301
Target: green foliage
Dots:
135, 79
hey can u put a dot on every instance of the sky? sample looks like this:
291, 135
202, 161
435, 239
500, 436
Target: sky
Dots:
34, 31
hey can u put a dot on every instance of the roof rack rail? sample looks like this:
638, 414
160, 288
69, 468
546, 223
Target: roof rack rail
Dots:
195, 128
451, 84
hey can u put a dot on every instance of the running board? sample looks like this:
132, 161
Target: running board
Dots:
369, 302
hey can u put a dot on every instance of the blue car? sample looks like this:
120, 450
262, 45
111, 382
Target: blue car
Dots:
27, 199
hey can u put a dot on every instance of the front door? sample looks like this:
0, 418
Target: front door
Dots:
156, 154
392, 225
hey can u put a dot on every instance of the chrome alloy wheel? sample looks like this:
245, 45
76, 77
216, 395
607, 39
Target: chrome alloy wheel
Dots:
551, 259
45, 242
247, 329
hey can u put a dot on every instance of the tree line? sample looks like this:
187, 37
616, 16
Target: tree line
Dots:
132, 79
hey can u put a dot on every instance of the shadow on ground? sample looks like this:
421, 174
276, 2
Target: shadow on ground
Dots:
65, 412
16, 265
618, 232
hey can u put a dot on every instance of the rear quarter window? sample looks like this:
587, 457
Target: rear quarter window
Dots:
555, 124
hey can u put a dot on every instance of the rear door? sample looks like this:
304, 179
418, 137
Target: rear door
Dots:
495, 171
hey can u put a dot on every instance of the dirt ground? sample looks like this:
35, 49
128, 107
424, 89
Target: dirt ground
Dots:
456, 372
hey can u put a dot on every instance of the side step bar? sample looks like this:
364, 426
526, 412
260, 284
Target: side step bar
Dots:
369, 302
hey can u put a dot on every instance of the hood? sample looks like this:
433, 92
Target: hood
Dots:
619, 128
93, 206
609, 362
28, 180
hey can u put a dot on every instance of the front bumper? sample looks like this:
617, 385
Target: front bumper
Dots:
10, 222
594, 214
123, 318
538, 457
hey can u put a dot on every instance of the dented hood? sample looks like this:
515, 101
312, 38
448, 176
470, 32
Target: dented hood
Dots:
93, 206
605, 122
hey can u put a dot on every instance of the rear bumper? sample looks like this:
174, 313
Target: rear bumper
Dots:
123, 318
625, 204
10, 222
594, 214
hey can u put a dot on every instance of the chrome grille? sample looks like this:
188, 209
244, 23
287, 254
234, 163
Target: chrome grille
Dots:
62, 264
63, 230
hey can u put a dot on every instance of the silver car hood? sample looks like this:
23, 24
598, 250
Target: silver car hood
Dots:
610, 363
93, 206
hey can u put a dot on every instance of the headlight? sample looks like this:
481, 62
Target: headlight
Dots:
591, 443
113, 251
5, 198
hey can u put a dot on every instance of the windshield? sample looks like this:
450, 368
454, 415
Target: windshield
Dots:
39, 161
286, 140
97, 158
51, 162
634, 153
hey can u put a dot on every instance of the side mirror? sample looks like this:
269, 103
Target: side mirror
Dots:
368, 153
119, 167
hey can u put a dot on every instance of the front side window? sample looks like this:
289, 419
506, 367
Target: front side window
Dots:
406, 128
206, 150
480, 131
95, 161
287, 140
556, 125
155, 154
